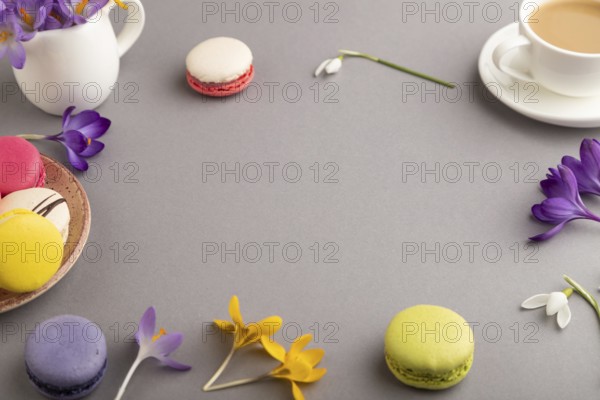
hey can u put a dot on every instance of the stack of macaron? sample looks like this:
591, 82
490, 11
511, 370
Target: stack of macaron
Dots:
34, 221
220, 67
66, 357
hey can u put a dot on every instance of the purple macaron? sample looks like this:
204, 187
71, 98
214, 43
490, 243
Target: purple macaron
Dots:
66, 357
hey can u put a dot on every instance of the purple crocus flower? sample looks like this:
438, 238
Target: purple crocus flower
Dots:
563, 203
79, 136
11, 36
31, 14
587, 171
154, 345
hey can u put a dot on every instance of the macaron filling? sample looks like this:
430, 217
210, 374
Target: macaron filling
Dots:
68, 392
221, 89
441, 379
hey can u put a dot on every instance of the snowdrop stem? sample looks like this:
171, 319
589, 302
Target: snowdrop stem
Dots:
397, 67
208, 387
584, 293
32, 137
136, 363
239, 382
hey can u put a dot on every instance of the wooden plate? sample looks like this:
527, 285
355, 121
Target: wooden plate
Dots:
60, 179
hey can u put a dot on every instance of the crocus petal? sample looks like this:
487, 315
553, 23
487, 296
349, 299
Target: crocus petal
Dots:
556, 302
559, 209
296, 392
40, 18
334, 66
234, 311
585, 181
76, 161
95, 129
570, 182
299, 345
225, 326
16, 55
564, 316
537, 301
315, 375
174, 364
74, 140
94, 147
313, 356
147, 326
322, 66
550, 234
82, 119
553, 186
274, 349
538, 212
168, 343
295, 371
67, 117
590, 157
270, 325
3, 50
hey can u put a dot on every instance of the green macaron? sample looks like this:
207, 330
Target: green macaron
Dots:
429, 347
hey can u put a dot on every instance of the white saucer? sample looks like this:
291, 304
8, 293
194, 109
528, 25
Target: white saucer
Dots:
529, 98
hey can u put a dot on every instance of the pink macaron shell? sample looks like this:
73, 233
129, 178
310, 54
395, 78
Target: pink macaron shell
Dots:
21, 166
221, 89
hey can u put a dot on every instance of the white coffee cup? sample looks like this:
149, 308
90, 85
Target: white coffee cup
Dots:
562, 71
78, 66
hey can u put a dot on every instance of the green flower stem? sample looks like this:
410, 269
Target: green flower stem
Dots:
32, 137
584, 293
351, 53
207, 387
239, 382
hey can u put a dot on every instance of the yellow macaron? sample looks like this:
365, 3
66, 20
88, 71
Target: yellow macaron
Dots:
31, 251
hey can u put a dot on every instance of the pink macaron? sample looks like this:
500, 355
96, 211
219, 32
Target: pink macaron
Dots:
21, 165
220, 67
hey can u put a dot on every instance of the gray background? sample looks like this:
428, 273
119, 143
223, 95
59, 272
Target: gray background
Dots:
374, 212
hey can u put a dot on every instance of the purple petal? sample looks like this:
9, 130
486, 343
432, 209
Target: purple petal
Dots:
590, 157
585, 182
538, 212
74, 140
96, 129
553, 186
16, 55
27, 36
551, 233
3, 50
168, 343
174, 364
76, 161
558, 209
570, 182
67, 116
92, 149
147, 326
51, 23
40, 18
83, 119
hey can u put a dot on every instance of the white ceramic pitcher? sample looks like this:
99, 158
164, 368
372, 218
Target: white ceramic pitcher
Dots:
78, 66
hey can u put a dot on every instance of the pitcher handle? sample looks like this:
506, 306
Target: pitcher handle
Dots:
133, 26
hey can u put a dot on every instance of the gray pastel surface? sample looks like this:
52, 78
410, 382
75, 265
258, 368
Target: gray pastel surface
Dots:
168, 224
